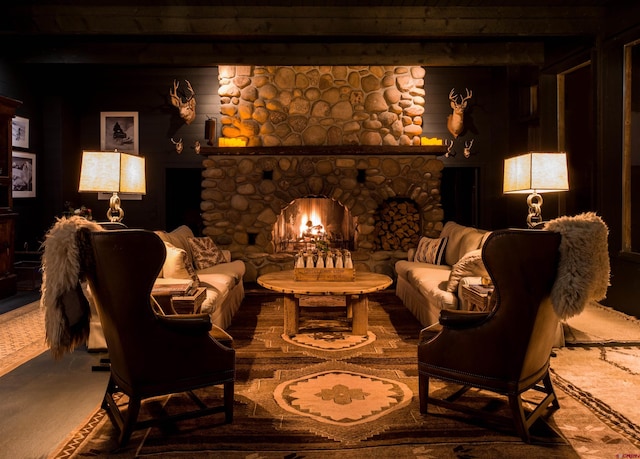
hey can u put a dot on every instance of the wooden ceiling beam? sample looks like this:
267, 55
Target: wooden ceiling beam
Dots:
273, 22
207, 54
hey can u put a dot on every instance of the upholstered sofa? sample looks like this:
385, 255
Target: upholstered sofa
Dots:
198, 260
433, 274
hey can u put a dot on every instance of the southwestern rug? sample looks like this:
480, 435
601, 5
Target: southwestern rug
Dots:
324, 393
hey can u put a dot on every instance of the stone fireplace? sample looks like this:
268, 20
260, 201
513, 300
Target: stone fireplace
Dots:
345, 140
246, 191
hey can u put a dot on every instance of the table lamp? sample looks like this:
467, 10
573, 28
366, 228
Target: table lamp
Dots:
536, 173
112, 172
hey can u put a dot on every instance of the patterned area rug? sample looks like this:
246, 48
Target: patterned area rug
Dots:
293, 401
21, 336
599, 324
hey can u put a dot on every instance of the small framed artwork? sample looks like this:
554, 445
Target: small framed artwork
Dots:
23, 174
20, 132
119, 130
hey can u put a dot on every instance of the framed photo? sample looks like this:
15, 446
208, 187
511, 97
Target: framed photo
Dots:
20, 132
23, 174
119, 130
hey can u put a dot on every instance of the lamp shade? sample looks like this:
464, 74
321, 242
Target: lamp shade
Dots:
536, 173
112, 172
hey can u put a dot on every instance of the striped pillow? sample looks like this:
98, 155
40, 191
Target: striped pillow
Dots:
431, 250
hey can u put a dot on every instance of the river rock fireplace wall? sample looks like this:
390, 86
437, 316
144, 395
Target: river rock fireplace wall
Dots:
245, 190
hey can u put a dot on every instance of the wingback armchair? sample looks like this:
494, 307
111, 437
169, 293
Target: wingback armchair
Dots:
151, 354
506, 350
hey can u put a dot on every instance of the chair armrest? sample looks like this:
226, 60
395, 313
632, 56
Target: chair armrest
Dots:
186, 323
453, 318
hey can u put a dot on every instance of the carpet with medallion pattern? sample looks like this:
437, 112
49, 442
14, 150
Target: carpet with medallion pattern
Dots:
324, 393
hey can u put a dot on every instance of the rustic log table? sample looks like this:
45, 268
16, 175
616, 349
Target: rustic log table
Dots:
354, 291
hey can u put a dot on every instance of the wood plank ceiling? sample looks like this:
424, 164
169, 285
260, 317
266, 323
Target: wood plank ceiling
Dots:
194, 33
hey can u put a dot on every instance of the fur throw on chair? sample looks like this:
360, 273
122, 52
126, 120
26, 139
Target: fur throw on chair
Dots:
65, 303
584, 269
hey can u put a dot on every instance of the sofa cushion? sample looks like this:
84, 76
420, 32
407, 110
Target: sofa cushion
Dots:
469, 265
176, 264
461, 239
405, 267
179, 237
432, 284
234, 269
205, 252
431, 250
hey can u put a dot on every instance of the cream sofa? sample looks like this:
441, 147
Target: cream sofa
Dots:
223, 282
221, 276
427, 288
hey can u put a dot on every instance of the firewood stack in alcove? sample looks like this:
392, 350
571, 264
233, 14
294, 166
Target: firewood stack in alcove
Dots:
397, 225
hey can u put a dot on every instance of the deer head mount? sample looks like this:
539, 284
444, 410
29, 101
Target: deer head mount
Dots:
467, 148
179, 145
455, 121
187, 108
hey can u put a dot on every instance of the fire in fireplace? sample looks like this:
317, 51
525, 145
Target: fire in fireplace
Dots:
306, 221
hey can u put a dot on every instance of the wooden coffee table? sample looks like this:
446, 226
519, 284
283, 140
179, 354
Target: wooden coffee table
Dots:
354, 291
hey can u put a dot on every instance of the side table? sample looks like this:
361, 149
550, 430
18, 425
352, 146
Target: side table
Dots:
477, 296
181, 304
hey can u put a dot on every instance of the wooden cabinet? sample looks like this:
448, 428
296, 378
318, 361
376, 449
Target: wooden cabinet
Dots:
8, 278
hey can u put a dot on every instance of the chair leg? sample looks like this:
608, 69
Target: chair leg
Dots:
550, 390
124, 422
519, 417
423, 392
524, 422
130, 420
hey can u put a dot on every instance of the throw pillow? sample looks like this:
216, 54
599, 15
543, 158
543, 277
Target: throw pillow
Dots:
205, 252
176, 264
470, 265
431, 250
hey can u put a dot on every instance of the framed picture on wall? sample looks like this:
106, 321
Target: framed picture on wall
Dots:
20, 132
23, 174
119, 130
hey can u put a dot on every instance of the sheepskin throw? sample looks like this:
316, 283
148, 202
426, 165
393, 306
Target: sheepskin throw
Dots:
66, 308
583, 269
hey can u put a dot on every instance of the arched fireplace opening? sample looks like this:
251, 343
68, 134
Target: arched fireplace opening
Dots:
314, 218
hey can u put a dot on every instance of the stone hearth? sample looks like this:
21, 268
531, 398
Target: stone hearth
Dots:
245, 189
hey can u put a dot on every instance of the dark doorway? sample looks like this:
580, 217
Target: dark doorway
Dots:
459, 195
183, 197
579, 141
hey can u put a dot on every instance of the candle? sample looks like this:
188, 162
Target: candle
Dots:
430, 141
231, 142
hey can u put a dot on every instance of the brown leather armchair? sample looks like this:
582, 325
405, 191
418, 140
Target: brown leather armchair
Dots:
506, 350
151, 354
